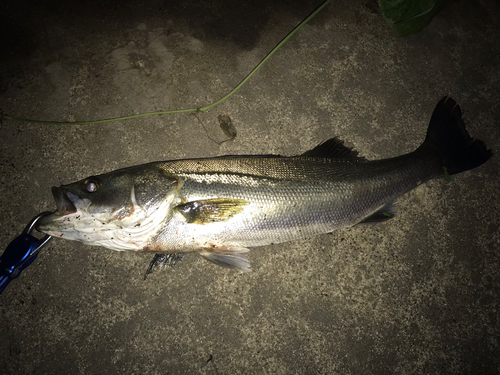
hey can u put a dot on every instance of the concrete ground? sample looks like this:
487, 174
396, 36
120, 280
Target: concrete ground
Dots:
416, 294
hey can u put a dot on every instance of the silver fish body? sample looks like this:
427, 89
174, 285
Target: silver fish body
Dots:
288, 198
219, 207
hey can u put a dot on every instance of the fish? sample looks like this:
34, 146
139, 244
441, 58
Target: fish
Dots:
221, 207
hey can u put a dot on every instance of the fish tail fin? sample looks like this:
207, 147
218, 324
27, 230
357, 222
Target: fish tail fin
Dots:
448, 137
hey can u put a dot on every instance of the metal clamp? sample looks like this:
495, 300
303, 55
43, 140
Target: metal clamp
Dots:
21, 252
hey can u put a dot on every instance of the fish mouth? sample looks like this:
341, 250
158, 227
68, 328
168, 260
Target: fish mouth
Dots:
65, 205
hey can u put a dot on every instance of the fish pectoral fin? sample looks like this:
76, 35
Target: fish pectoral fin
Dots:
227, 256
386, 212
211, 210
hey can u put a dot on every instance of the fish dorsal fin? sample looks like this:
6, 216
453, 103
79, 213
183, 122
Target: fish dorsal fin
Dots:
386, 212
211, 210
333, 149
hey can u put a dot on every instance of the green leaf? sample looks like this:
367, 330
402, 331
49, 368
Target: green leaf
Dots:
410, 16
446, 176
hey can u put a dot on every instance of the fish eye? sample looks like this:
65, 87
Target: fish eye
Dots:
92, 185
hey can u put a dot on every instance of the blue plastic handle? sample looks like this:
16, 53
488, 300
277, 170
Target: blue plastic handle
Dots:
20, 253
17, 256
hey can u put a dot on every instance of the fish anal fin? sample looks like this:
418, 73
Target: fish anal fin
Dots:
386, 212
211, 210
333, 148
228, 256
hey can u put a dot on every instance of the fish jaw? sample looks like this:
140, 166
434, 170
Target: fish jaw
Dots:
73, 221
70, 208
64, 203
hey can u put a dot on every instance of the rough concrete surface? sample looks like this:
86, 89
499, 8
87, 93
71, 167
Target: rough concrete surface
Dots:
416, 294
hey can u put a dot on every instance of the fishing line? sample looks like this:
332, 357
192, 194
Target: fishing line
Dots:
200, 109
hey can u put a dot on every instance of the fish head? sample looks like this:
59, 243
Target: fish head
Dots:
120, 210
